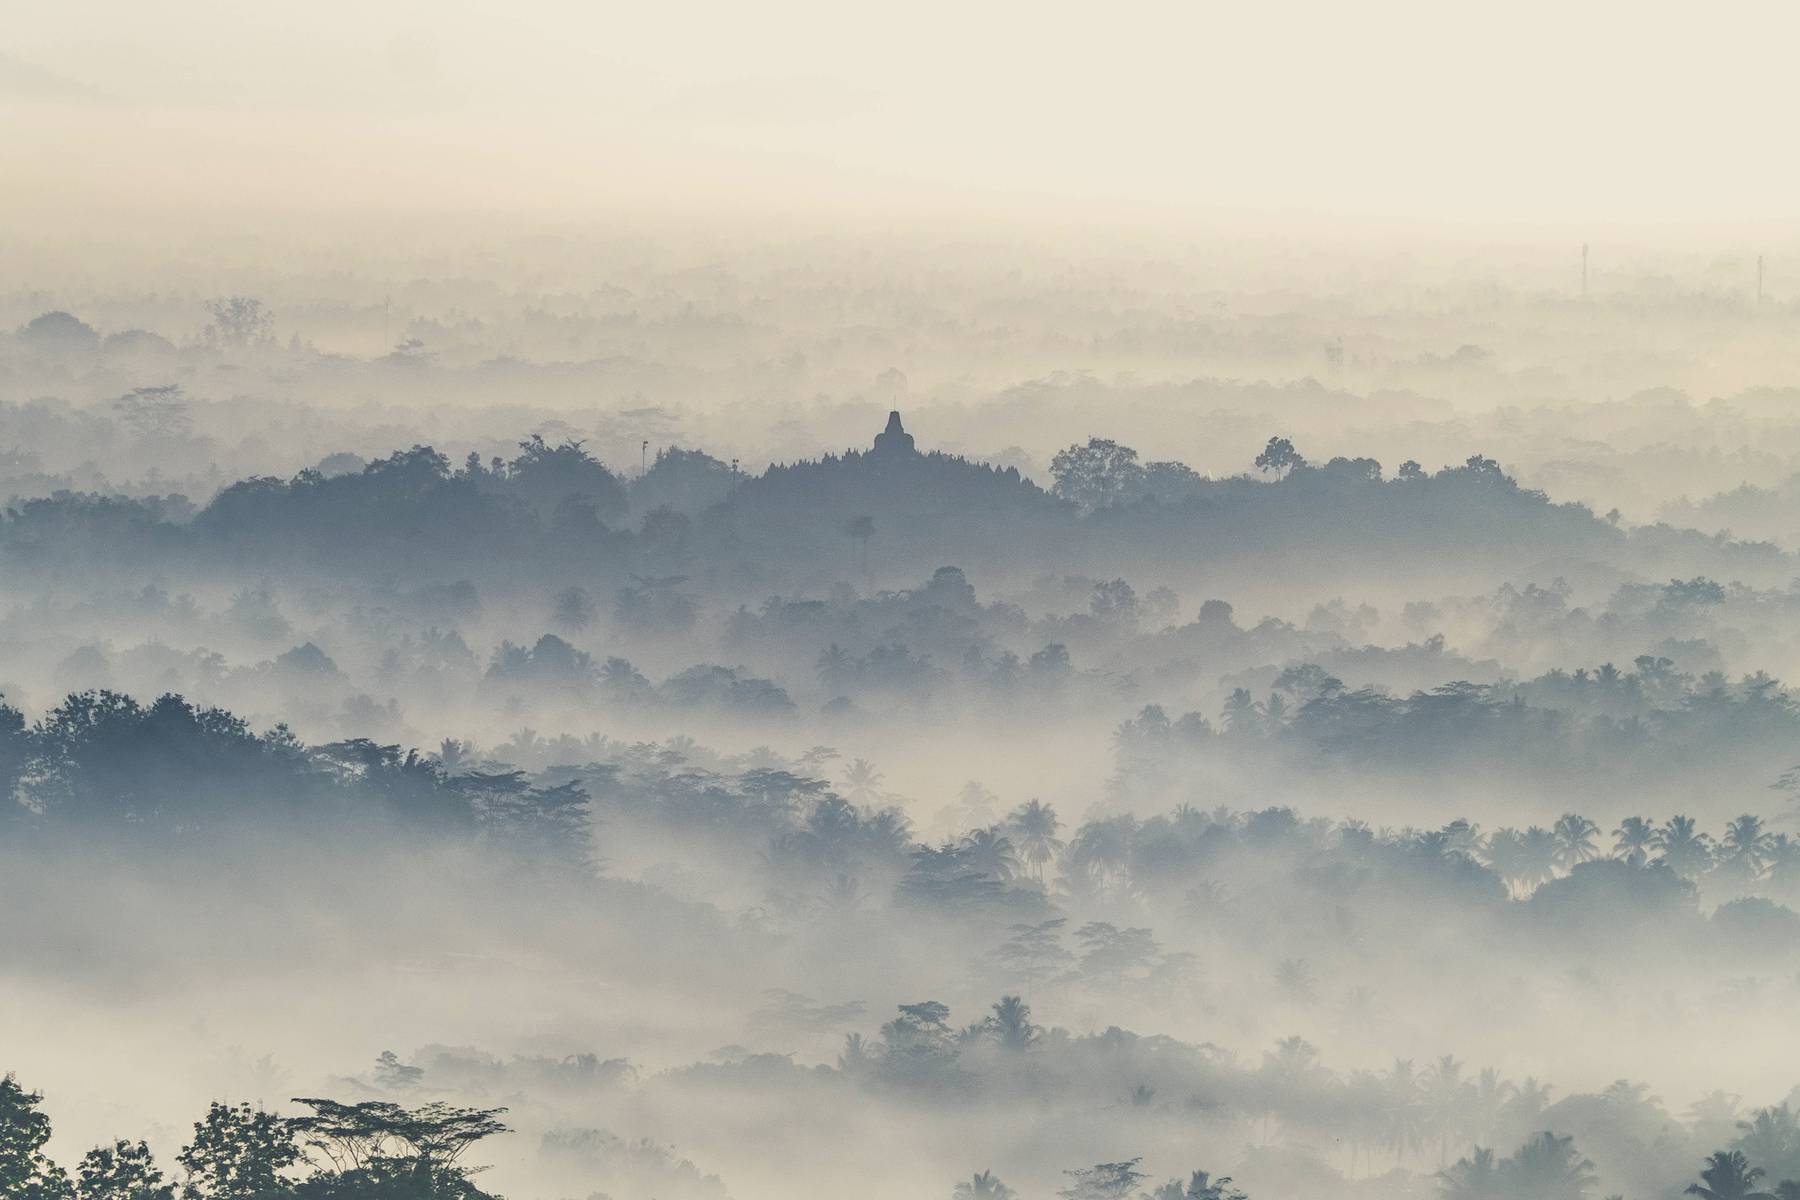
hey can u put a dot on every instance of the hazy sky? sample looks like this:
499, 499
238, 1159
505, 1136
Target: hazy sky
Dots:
1505, 113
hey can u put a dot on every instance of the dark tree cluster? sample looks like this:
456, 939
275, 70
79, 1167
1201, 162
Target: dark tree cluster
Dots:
373, 1150
104, 765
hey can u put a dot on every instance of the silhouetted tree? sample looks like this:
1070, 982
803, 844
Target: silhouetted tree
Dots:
1010, 1025
1682, 848
1103, 1181
1279, 458
1574, 839
239, 323
1633, 840
238, 1153
1035, 951
1549, 1167
983, 1185
122, 1171
1728, 1175
1033, 827
1096, 475
25, 1172
376, 1145
1200, 1186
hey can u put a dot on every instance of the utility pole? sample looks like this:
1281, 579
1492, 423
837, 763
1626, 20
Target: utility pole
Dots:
644, 459
1584, 270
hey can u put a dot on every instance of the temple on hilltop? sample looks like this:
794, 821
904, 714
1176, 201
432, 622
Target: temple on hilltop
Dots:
894, 440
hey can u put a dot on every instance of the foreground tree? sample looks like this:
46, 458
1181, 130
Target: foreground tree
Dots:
380, 1149
238, 1153
122, 1171
25, 1173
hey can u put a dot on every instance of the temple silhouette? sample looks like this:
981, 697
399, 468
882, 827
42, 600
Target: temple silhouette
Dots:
894, 440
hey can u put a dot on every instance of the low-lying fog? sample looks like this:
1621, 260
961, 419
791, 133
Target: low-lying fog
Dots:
880, 707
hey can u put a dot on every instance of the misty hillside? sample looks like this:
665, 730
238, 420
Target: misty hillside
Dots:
789, 602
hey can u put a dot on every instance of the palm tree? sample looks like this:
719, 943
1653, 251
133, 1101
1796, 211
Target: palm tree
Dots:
1743, 851
1402, 1116
1528, 1101
1490, 1098
1447, 1095
1550, 1168
1201, 1186
1771, 1137
841, 896
1242, 715
1506, 856
861, 780
1574, 840
888, 832
1294, 977
1033, 826
1365, 1116
1630, 1093
1783, 855
1011, 1024
858, 1055
1714, 1113
983, 1185
1294, 1059
991, 852
1476, 1177
1463, 837
833, 666
1728, 1175
1681, 848
1633, 839
1538, 849
1101, 851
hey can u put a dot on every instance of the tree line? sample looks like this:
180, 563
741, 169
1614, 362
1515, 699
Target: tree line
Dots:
372, 1150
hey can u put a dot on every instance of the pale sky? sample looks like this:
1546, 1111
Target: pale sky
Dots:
1527, 113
